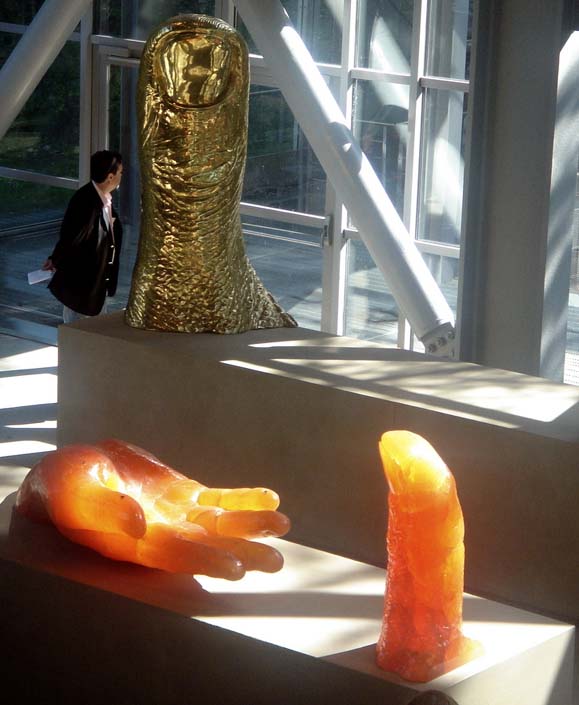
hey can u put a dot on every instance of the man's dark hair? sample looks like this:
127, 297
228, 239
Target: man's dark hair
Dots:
104, 163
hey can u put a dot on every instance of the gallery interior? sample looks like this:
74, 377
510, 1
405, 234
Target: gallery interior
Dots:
410, 198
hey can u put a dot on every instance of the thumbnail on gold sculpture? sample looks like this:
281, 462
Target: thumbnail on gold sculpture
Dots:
124, 503
421, 635
192, 273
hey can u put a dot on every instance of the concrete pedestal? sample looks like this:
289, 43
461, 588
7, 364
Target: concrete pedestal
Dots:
302, 412
81, 628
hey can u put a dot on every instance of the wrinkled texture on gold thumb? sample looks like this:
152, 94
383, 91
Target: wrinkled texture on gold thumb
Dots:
192, 273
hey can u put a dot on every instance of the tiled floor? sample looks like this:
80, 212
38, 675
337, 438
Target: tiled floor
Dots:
28, 381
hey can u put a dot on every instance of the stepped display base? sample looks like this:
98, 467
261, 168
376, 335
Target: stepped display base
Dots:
84, 629
302, 412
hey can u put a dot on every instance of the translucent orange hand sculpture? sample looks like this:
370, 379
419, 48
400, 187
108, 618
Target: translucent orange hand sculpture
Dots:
421, 634
124, 503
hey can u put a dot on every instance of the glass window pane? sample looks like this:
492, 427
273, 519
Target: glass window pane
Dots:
123, 136
445, 272
19, 11
319, 23
384, 35
242, 29
380, 122
45, 135
288, 260
572, 348
282, 170
29, 226
449, 38
16, 198
371, 312
442, 172
8, 40
571, 375
136, 20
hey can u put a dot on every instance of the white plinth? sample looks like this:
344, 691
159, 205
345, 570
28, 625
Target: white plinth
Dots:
93, 631
302, 412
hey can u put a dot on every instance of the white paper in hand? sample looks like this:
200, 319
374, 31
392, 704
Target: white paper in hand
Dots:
39, 275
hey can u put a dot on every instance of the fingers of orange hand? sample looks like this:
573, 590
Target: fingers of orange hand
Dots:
253, 555
182, 492
253, 498
240, 524
167, 548
186, 550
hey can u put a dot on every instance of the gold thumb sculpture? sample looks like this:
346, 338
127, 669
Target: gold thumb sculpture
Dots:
192, 273
421, 634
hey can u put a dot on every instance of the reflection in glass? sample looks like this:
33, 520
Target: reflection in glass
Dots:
282, 170
26, 204
29, 225
445, 271
288, 260
8, 41
385, 35
44, 137
572, 347
380, 120
442, 170
136, 19
574, 282
319, 24
449, 38
371, 311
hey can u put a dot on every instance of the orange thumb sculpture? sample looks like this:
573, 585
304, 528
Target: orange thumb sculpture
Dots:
124, 503
421, 635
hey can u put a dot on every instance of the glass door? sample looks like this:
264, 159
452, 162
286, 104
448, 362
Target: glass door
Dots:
39, 165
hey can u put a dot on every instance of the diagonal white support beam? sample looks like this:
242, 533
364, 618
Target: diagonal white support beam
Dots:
34, 54
352, 175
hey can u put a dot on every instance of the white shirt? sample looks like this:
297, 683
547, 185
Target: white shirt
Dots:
107, 200
107, 205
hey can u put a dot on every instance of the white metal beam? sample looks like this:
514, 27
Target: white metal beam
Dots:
336, 248
34, 54
353, 177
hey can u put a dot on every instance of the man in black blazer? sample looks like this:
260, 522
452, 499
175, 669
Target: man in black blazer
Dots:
85, 260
